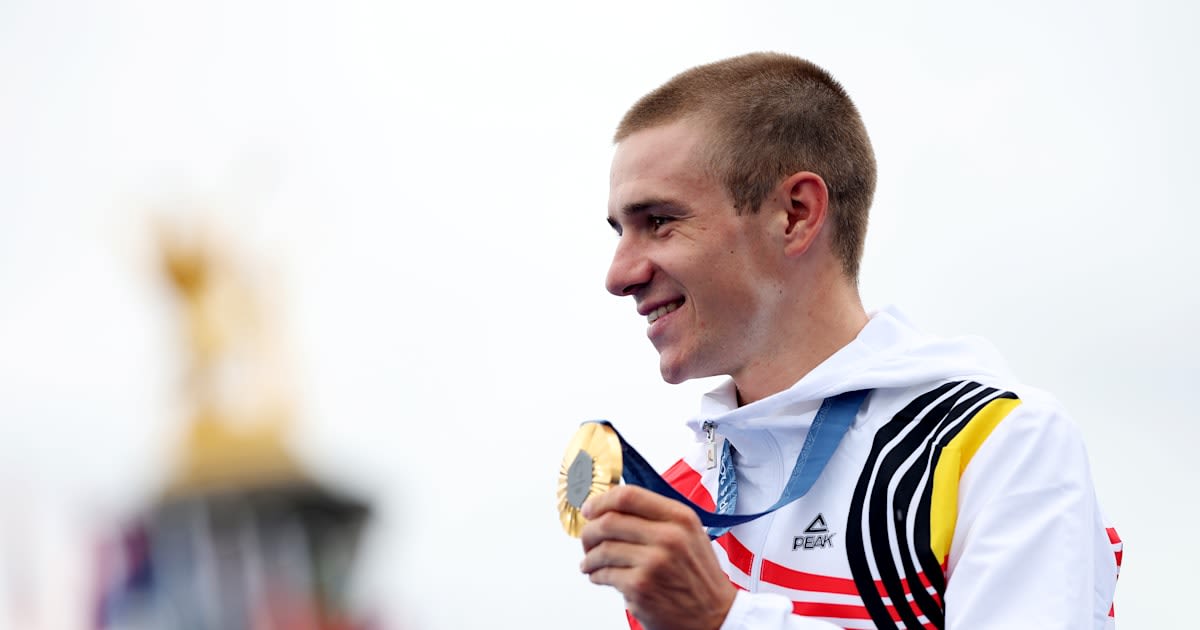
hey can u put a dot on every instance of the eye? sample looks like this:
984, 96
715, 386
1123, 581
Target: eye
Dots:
657, 221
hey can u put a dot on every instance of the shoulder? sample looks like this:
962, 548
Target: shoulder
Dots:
980, 409
978, 440
1035, 425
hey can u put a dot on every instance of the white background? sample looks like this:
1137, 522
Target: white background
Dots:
422, 187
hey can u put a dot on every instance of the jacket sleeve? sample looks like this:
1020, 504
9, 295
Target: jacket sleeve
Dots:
1027, 550
766, 611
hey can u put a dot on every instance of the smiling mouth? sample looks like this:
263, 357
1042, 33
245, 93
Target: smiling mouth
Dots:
663, 310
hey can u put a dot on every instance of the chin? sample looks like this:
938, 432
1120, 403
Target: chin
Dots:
672, 378
672, 372
677, 371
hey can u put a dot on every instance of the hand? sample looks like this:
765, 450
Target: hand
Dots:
655, 551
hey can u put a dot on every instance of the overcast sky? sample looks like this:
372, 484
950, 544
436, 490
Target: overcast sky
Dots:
421, 191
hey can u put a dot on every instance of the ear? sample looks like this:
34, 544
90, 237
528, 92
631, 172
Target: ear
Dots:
807, 201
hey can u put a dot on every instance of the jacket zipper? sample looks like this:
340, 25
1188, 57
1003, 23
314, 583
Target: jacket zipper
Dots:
760, 549
710, 432
710, 444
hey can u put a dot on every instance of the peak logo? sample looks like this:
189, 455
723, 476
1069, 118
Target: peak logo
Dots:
816, 535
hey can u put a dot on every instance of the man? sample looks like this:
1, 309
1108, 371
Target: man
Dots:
958, 497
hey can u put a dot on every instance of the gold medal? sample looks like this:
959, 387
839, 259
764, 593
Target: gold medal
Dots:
591, 465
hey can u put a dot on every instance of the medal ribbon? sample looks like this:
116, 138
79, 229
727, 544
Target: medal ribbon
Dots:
832, 421
727, 488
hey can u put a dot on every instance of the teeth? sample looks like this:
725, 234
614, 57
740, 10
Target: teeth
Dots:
662, 310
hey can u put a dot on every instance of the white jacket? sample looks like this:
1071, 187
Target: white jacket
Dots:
958, 499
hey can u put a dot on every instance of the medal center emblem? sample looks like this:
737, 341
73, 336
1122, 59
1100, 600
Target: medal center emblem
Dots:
579, 479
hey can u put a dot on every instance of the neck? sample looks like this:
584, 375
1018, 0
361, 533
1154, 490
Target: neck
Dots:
826, 319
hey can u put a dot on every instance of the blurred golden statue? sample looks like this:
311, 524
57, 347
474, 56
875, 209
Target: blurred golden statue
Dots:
242, 538
235, 379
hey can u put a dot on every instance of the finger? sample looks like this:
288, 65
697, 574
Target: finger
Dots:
639, 502
633, 584
611, 554
617, 526
616, 577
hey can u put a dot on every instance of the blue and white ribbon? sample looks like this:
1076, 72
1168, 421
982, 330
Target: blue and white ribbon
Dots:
832, 421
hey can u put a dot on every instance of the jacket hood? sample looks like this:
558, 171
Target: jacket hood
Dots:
889, 352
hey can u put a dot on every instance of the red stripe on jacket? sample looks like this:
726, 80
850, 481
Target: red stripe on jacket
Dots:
689, 483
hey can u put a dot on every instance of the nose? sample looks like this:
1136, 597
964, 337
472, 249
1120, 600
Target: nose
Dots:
630, 270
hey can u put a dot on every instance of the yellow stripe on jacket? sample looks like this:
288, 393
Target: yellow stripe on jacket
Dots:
943, 512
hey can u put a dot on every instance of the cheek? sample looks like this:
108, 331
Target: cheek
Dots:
747, 298
732, 298
727, 284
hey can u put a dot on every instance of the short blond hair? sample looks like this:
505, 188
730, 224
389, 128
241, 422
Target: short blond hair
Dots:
771, 115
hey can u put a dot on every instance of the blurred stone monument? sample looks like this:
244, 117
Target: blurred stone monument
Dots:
242, 537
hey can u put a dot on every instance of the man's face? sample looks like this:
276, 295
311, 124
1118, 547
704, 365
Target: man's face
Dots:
705, 278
